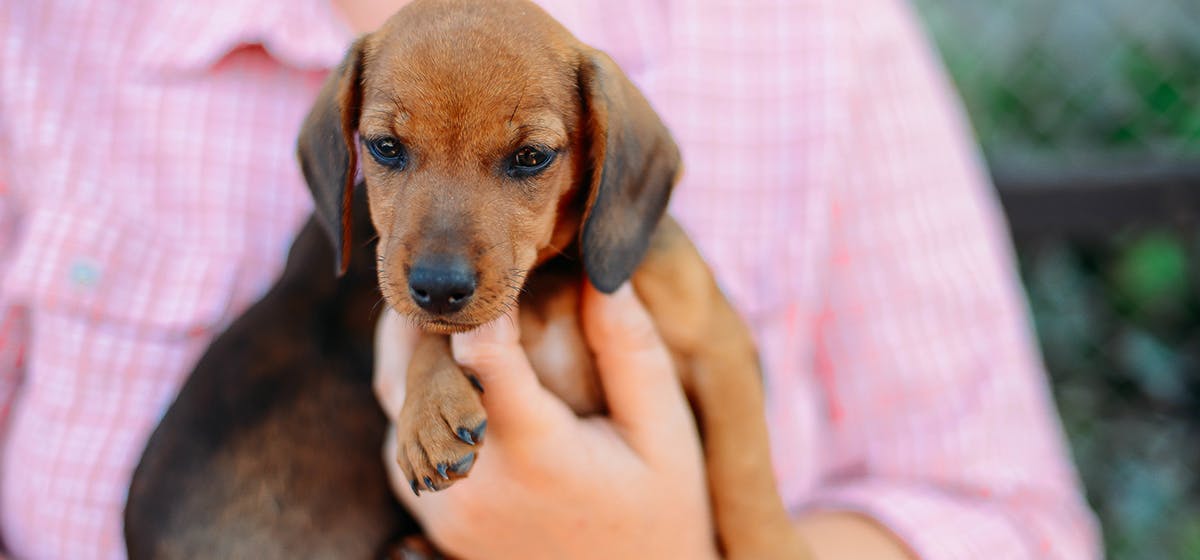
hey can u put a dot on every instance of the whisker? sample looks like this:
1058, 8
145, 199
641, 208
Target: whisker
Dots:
375, 307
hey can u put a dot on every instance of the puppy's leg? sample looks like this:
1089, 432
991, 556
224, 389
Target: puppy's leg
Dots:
720, 372
442, 422
727, 391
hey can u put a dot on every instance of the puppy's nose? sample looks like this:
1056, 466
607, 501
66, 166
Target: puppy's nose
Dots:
441, 286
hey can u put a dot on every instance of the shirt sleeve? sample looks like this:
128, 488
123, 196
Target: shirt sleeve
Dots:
12, 324
925, 349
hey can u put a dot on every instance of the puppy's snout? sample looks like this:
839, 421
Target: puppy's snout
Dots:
442, 285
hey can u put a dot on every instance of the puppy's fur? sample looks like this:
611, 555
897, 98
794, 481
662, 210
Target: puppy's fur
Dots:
272, 448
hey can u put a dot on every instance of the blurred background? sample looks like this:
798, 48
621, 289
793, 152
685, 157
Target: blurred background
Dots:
1089, 115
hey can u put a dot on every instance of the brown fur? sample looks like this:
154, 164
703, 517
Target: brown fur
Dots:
464, 85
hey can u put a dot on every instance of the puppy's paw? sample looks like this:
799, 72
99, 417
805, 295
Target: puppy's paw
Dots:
440, 430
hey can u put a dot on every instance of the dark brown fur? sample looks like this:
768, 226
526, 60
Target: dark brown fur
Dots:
271, 449
266, 439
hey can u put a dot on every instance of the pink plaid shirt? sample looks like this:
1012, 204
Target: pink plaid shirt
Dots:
148, 193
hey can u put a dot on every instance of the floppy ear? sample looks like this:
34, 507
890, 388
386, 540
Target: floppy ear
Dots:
634, 165
328, 156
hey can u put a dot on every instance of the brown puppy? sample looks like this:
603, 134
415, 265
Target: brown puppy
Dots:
503, 159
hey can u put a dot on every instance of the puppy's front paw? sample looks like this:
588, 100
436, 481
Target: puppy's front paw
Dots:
440, 430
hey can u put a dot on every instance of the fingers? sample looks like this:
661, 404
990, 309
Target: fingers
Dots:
636, 371
639, 378
515, 400
395, 340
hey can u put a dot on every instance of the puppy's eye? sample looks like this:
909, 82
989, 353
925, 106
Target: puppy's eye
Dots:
388, 151
530, 157
528, 161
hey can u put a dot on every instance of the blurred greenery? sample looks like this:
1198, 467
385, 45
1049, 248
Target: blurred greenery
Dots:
1119, 323
1101, 85
1068, 83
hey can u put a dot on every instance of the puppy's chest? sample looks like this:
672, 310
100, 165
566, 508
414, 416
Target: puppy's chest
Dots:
553, 338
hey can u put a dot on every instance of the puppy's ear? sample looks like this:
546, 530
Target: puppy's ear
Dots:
634, 164
328, 155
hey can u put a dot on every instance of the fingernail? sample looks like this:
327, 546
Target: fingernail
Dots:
503, 329
622, 299
500, 332
621, 307
625, 291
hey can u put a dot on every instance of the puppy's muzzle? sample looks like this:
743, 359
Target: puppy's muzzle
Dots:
441, 284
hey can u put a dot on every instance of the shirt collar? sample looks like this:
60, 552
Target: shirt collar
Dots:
193, 36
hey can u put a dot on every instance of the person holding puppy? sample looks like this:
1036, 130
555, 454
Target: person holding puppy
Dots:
146, 174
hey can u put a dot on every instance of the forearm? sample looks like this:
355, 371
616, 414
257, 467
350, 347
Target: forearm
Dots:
841, 536
364, 16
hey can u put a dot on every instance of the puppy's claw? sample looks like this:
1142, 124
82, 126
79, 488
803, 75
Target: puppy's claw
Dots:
463, 465
441, 469
475, 382
429, 484
479, 430
465, 435
416, 489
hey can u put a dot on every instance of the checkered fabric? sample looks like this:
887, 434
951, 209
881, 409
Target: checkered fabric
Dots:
148, 194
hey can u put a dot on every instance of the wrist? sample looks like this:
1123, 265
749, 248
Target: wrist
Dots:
835, 534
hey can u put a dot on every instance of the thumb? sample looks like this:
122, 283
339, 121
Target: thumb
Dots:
636, 370
514, 399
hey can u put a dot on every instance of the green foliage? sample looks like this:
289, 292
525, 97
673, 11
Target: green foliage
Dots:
1119, 324
1150, 275
1073, 83
1095, 85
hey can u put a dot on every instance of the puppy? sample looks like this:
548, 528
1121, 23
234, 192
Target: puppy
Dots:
503, 161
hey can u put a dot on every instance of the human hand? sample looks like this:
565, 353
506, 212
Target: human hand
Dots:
364, 16
549, 484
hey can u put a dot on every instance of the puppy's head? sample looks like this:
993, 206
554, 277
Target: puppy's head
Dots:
490, 140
